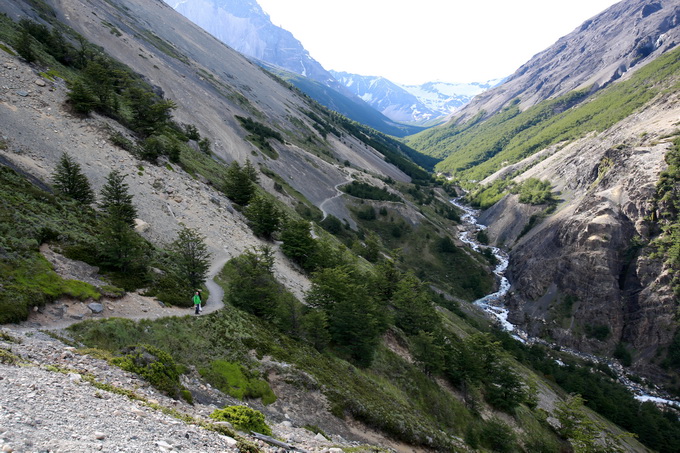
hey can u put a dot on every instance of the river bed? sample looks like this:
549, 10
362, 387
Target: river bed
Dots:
493, 305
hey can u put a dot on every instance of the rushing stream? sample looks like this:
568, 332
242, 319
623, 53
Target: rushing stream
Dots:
493, 304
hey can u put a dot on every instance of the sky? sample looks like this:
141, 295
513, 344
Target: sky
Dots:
418, 41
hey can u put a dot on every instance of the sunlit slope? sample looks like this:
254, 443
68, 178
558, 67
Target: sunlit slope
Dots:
476, 149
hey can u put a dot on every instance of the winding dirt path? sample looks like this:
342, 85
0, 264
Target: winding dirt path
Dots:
66, 312
337, 195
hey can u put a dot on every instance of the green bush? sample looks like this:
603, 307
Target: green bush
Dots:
233, 380
243, 418
367, 191
153, 364
534, 191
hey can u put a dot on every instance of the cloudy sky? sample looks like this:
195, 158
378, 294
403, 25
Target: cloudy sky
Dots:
413, 42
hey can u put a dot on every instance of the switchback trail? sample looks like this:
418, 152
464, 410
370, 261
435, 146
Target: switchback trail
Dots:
327, 200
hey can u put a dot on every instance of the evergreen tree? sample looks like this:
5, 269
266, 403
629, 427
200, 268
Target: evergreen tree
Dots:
250, 170
428, 350
116, 202
99, 77
264, 216
371, 249
413, 309
149, 115
121, 246
298, 243
81, 97
68, 179
585, 434
239, 186
315, 329
353, 319
190, 255
252, 286
24, 47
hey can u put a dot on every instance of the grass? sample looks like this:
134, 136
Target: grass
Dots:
403, 408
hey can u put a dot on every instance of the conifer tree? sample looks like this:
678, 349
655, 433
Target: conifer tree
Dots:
70, 181
264, 217
121, 246
252, 286
23, 46
239, 186
116, 202
191, 256
298, 243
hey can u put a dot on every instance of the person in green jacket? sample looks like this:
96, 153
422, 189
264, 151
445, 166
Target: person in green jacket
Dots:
197, 302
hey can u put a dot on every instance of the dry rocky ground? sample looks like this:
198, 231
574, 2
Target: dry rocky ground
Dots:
50, 402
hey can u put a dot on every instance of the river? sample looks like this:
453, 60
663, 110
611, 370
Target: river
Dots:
493, 305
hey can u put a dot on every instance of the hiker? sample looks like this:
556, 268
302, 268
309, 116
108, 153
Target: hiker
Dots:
197, 301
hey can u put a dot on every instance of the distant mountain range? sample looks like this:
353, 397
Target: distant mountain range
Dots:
418, 104
247, 28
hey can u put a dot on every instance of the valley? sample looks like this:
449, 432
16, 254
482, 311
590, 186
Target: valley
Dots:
347, 290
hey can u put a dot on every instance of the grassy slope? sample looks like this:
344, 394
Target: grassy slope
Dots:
476, 149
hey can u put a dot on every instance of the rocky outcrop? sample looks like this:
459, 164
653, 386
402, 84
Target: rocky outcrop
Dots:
244, 26
582, 276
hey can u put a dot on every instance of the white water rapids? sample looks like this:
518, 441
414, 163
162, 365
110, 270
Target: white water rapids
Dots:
493, 305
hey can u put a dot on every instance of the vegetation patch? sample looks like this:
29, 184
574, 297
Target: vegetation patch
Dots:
260, 135
233, 380
243, 418
154, 365
368, 192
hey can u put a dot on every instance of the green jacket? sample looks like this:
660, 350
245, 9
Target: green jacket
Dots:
197, 299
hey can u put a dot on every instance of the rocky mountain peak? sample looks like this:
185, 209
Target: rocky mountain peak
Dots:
600, 51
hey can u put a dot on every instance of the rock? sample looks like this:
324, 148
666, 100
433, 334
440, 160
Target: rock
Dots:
22, 93
141, 226
95, 307
99, 435
40, 82
164, 445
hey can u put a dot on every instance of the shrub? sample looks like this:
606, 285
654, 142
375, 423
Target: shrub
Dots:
153, 364
243, 418
231, 379
497, 436
367, 191
534, 191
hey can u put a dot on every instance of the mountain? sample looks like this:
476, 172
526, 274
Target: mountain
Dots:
603, 49
245, 27
594, 117
417, 104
